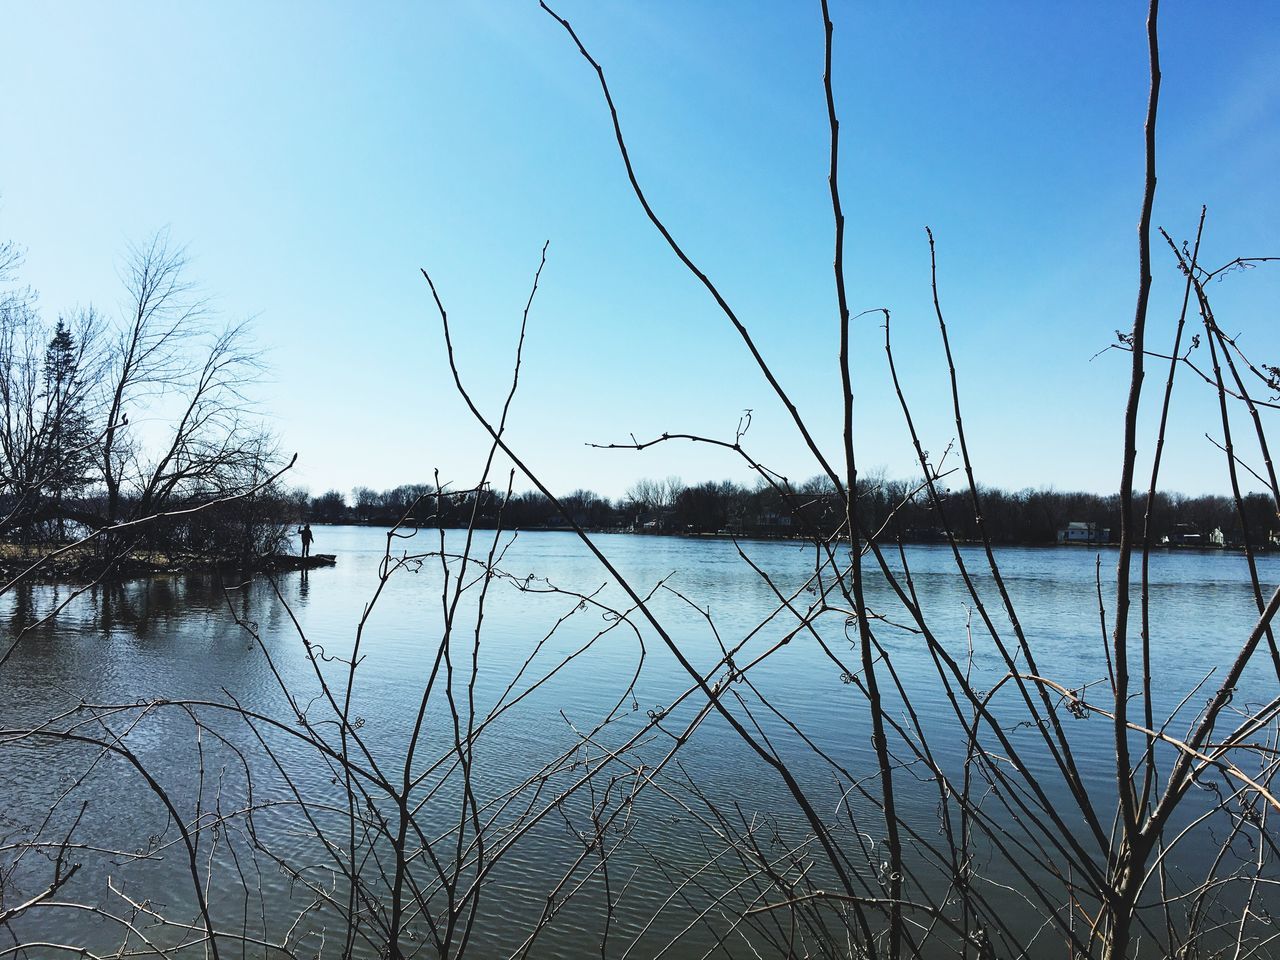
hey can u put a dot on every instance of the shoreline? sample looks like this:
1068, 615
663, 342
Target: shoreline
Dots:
784, 538
38, 565
82, 566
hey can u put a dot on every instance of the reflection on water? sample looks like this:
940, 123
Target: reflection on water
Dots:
177, 638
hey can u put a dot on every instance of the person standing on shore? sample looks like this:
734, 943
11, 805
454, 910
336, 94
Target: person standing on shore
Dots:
307, 537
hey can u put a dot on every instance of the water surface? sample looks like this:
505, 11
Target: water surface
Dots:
554, 612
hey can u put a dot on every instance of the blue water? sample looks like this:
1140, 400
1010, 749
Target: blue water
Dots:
552, 649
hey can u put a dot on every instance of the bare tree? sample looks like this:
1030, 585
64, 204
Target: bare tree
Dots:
149, 356
645, 494
211, 441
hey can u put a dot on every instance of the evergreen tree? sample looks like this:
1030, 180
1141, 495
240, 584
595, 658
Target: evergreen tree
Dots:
67, 456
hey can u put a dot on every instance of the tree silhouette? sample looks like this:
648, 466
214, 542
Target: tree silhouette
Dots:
67, 437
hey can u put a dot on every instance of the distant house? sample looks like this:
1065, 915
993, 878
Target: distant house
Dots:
648, 523
1218, 538
771, 521
1184, 535
1080, 532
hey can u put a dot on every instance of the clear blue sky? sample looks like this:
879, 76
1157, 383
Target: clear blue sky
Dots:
313, 156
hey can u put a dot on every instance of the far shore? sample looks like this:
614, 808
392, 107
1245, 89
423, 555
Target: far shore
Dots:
58, 563
1232, 548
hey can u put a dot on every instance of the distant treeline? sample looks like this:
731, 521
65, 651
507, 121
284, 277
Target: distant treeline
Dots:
904, 511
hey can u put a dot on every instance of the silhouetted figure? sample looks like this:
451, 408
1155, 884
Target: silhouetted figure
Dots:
307, 537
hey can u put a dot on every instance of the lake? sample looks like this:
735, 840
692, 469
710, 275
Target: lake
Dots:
576, 704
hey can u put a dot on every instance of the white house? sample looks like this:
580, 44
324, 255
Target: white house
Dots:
1079, 532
